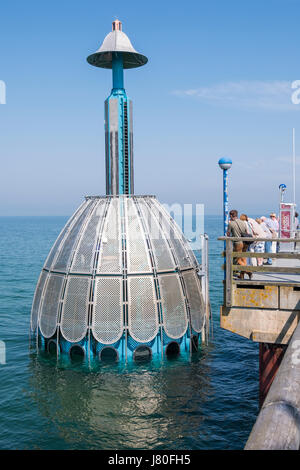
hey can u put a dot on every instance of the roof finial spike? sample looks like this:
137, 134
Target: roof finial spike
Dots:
117, 25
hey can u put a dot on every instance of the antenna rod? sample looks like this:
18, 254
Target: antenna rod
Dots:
294, 167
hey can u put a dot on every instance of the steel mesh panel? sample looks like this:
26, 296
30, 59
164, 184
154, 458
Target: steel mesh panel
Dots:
173, 305
142, 312
163, 258
84, 257
137, 253
195, 299
172, 233
50, 305
107, 322
37, 300
61, 263
74, 320
110, 260
60, 237
190, 252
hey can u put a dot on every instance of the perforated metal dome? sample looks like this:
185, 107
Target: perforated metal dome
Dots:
120, 270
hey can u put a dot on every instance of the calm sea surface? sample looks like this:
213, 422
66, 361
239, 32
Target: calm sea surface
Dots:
210, 402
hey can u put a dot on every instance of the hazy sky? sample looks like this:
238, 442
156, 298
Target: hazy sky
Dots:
218, 82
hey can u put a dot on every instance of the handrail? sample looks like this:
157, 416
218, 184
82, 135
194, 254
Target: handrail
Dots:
230, 254
254, 239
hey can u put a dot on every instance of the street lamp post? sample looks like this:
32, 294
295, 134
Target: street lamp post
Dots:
225, 164
282, 189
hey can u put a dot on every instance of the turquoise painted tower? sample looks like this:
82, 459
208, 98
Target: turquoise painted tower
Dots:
117, 53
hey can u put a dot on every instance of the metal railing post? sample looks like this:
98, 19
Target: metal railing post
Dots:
228, 272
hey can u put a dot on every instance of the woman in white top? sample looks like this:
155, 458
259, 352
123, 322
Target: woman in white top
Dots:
257, 232
257, 247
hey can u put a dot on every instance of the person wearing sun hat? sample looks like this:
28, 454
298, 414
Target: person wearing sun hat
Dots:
275, 223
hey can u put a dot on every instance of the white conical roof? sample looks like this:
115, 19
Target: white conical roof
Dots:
117, 41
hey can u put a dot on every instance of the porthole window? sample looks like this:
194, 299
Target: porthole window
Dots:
195, 343
173, 349
77, 353
52, 348
108, 355
142, 353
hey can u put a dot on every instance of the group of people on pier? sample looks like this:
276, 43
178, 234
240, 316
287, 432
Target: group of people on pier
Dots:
261, 227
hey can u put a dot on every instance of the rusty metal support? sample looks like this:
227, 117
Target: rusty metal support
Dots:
270, 357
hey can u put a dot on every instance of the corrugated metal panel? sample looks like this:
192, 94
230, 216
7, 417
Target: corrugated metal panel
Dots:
74, 320
174, 311
107, 321
110, 259
131, 148
37, 300
114, 144
50, 305
195, 299
142, 312
137, 253
84, 257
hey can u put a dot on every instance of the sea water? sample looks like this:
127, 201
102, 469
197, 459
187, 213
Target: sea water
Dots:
207, 402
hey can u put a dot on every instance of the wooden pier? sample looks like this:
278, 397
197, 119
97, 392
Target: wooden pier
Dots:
264, 309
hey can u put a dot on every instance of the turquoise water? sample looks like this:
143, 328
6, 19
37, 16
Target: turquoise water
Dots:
210, 402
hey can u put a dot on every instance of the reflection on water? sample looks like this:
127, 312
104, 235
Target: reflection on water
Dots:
143, 406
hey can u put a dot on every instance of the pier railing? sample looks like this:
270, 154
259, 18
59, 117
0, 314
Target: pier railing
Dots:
230, 267
204, 276
265, 306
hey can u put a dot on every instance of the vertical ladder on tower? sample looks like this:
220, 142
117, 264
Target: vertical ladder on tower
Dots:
126, 155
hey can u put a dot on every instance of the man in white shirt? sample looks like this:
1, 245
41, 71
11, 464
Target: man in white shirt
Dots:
273, 224
268, 234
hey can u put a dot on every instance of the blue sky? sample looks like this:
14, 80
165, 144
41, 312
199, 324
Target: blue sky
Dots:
218, 82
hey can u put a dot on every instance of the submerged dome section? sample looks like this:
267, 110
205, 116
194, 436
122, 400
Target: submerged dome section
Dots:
120, 275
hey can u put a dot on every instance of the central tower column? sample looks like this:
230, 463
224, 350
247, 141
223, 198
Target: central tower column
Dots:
117, 53
118, 134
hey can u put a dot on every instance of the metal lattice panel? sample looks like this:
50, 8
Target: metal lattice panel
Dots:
188, 256
84, 257
174, 311
163, 257
173, 234
60, 237
195, 299
50, 305
142, 312
37, 300
110, 261
190, 252
63, 258
137, 253
107, 322
74, 319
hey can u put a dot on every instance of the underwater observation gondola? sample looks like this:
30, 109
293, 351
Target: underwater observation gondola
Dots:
121, 281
